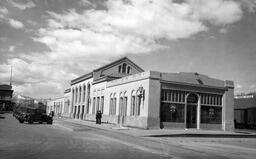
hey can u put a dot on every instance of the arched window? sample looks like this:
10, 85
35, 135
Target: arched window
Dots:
138, 103
133, 103
124, 112
128, 69
119, 69
124, 68
76, 94
88, 98
80, 93
73, 96
120, 103
84, 93
112, 105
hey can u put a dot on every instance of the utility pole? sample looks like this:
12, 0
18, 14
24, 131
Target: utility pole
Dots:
11, 77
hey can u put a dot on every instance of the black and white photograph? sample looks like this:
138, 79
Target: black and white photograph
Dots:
127, 79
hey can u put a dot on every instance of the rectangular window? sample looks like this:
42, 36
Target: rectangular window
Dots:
206, 99
84, 94
93, 105
211, 115
133, 106
79, 95
172, 112
138, 103
171, 96
114, 108
120, 106
220, 100
125, 106
102, 104
110, 106
182, 97
98, 104
87, 109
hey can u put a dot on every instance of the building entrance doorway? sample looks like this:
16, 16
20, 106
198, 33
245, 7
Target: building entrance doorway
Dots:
191, 116
122, 110
191, 111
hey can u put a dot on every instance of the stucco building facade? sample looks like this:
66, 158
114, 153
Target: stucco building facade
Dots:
129, 96
56, 105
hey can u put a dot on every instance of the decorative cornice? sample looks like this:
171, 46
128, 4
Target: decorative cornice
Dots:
81, 78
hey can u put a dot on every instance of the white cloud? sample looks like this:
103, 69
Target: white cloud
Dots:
33, 23
12, 48
218, 12
22, 6
16, 24
133, 27
238, 86
87, 3
41, 78
80, 41
12, 22
3, 10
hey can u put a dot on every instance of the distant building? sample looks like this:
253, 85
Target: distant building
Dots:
245, 111
25, 101
55, 105
6, 97
61, 106
67, 103
129, 96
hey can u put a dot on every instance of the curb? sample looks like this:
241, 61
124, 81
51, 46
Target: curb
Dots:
157, 135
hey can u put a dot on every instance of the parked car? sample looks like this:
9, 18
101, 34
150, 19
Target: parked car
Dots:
32, 115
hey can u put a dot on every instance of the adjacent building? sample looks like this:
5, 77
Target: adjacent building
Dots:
6, 92
61, 106
55, 105
245, 111
129, 96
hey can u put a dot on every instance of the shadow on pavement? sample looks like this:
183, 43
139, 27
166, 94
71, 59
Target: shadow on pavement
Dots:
207, 135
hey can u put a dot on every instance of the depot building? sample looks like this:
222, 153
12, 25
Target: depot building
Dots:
129, 96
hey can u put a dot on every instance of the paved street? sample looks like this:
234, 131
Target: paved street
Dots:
49, 141
66, 139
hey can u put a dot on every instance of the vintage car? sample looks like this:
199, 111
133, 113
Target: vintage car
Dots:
32, 115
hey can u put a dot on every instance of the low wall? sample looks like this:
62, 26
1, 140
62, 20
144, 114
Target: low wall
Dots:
135, 121
172, 125
211, 126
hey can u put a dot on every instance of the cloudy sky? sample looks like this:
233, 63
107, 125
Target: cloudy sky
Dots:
50, 42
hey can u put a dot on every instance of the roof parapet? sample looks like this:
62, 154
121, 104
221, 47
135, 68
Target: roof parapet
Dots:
229, 84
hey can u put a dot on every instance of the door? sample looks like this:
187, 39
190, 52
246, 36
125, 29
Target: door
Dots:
122, 110
82, 113
191, 116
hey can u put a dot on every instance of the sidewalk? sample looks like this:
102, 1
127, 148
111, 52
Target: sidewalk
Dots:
157, 132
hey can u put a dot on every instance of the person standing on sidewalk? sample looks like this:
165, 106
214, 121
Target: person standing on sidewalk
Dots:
98, 117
